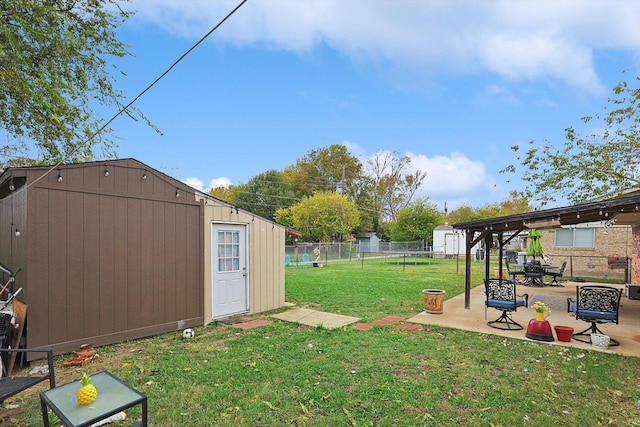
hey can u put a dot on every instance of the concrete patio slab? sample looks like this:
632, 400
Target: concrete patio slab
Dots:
454, 315
314, 318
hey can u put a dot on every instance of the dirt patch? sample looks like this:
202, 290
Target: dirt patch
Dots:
234, 320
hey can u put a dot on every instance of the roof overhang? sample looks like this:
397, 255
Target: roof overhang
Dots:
541, 224
620, 210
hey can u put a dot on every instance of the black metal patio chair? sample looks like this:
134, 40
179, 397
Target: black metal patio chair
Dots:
514, 273
501, 295
595, 304
14, 384
555, 275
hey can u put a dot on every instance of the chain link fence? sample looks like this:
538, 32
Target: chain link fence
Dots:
352, 251
578, 266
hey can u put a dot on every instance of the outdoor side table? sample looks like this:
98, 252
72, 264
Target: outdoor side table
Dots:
114, 396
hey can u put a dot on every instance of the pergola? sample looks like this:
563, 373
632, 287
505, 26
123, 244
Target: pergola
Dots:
623, 210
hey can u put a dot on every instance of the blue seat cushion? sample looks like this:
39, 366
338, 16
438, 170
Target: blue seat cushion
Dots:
504, 305
588, 313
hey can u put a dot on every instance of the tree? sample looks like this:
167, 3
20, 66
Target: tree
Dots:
264, 194
416, 221
53, 71
226, 194
330, 168
513, 204
391, 186
599, 165
463, 213
321, 217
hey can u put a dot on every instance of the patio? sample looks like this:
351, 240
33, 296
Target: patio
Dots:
454, 315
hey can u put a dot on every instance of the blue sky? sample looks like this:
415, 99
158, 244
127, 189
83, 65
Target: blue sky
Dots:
452, 84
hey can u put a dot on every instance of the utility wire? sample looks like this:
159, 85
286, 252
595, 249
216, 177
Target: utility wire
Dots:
126, 107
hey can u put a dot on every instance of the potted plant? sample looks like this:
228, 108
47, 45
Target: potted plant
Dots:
539, 328
542, 310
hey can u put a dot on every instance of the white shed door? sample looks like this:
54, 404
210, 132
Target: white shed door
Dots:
450, 247
229, 270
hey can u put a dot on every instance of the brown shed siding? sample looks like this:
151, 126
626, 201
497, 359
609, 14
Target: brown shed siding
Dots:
105, 258
13, 217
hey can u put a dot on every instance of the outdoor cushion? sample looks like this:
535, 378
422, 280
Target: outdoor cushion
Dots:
595, 314
505, 305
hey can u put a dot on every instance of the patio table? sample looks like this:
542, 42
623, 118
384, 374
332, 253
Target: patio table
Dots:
533, 275
114, 396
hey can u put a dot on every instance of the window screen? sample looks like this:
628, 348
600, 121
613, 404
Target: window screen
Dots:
575, 238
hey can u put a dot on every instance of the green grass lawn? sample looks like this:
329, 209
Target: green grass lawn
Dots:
285, 374
377, 287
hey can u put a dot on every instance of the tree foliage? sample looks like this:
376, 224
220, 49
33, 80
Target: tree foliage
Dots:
604, 163
321, 217
325, 169
226, 194
416, 221
264, 194
53, 72
514, 204
391, 185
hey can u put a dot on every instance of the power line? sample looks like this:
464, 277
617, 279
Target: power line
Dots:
126, 107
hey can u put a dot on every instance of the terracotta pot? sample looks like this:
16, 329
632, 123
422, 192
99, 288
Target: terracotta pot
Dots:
564, 333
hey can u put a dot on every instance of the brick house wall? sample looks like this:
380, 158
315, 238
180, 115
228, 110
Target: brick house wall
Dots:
635, 255
614, 241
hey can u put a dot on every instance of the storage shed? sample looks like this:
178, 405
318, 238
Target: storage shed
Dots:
368, 242
243, 267
449, 242
116, 250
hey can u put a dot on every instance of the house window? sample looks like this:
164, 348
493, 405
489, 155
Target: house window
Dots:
575, 238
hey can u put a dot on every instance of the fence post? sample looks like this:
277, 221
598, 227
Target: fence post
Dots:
571, 266
627, 278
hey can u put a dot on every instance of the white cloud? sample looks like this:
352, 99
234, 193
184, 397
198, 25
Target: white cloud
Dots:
452, 178
198, 184
220, 182
455, 179
522, 40
194, 182
355, 150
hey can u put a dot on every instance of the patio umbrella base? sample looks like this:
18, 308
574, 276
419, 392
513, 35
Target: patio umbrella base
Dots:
539, 330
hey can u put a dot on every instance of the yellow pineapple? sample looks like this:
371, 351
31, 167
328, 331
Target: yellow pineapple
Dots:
87, 392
